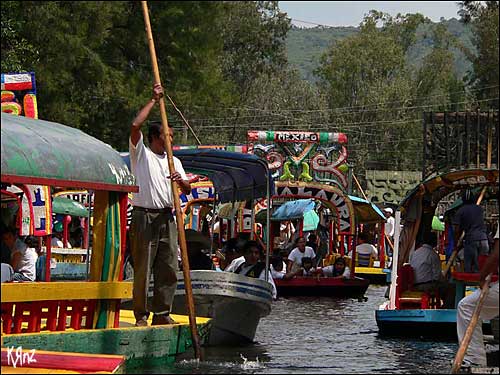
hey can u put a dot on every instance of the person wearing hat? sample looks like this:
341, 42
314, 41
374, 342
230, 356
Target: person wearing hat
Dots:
389, 228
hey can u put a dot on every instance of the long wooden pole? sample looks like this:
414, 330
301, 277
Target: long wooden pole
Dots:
470, 329
178, 213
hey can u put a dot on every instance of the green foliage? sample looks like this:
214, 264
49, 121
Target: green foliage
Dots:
254, 35
234, 66
306, 45
18, 54
484, 18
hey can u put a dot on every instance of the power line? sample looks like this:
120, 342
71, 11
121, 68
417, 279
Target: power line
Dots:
314, 23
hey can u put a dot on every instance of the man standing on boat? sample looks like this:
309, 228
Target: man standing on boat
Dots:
470, 219
153, 231
389, 229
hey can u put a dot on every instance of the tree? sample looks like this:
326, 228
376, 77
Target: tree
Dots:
18, 54
254, 35
436, 81
369, 89
94, 69
483, 15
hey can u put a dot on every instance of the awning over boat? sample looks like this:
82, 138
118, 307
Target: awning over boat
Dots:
48, 153
365, 211
236, 176
67, 206
293, 210
418, 207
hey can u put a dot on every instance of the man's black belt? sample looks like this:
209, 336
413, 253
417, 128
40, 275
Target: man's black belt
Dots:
154, 210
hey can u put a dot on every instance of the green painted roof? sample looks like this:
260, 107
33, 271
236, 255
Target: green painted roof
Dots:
47, 150
67, 206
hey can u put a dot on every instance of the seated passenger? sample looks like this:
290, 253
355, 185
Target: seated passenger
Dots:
427, 276
57, 236
23, 258
366, 252
299, 252
253, 267
278, 272
307, 267
338, 270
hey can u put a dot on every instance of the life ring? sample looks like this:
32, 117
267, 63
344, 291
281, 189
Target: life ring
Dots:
12, 107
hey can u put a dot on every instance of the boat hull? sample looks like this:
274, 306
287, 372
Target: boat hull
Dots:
432, 324
323, 286
438, 324
235, 303
141, 346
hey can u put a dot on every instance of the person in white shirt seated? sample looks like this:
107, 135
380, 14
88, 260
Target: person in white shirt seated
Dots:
253, 267
23, 258
366, 252
57, 236
338, 270
299, 252
235, 263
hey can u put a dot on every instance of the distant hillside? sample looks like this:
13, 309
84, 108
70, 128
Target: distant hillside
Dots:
306, 45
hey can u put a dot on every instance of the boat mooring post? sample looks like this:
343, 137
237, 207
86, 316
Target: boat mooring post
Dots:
178, 212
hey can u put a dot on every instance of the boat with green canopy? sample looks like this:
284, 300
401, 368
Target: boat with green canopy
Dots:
75, 316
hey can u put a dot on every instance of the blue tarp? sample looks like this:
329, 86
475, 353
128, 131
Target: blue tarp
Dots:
293, 210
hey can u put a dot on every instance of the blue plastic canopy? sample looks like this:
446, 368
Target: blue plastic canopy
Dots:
293, 210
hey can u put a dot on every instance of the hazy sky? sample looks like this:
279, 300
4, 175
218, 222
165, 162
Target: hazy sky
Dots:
350, 13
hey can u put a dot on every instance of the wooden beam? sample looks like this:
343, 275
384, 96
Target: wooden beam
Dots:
65, 290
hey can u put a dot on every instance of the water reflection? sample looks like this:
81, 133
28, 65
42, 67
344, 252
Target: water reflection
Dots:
321, 336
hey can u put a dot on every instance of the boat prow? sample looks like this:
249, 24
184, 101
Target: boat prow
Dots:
236, 303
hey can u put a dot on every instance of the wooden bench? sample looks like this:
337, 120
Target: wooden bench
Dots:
55, 302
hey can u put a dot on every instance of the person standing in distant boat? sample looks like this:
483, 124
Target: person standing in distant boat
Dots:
389, 230
153, 231
470, 219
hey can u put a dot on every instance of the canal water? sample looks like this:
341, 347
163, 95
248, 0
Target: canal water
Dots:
305, 335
